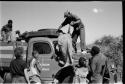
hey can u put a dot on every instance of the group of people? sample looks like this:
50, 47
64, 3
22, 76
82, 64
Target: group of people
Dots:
67, 42
7, 33
67, 47
22, 72
87, 71
94, 67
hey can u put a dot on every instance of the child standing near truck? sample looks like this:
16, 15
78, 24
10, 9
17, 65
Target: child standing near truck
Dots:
17, 66
81, 72
32, 74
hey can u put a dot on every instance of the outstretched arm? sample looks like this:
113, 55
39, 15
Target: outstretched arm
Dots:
66, 21
60, 27
75, 22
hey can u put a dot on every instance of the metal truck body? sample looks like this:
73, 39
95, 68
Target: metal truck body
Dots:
43, 41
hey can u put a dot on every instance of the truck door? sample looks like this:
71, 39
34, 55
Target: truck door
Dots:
46, 50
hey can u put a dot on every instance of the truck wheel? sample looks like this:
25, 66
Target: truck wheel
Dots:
7, 78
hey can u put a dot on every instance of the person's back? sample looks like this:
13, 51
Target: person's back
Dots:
99, 60
63, 39
66, 49
17, 67
97, 64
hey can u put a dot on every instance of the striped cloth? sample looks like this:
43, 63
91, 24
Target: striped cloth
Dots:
6, 53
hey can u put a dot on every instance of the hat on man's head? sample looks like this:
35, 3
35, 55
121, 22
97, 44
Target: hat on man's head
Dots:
66, 13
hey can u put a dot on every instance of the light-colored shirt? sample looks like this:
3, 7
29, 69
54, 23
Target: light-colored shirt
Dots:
33, 67
80, 75
65, 43
64, 38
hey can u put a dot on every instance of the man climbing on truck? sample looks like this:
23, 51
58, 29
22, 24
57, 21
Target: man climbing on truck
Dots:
79, 30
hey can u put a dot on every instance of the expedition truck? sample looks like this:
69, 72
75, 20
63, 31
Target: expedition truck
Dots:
44, 41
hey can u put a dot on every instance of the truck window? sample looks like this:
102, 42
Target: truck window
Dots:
42, 47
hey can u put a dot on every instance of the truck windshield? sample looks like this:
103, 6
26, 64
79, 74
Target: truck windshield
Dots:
42, 47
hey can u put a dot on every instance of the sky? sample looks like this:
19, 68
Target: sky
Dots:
99, 17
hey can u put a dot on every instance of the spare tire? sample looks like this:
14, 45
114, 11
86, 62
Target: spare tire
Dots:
65, 75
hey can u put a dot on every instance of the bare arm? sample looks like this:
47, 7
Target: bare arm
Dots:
93, 66
75, 22
65, 22
39, 66
60, 27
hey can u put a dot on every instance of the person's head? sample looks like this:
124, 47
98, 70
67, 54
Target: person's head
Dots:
35, 54
10, 22
19, 52
83, 62
95, 50
17, 32
66, 14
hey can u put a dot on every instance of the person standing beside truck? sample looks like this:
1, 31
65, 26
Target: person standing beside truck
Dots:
17, 66
81, 71
33, 72
97, 63
79, 29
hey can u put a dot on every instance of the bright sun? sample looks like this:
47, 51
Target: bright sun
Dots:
95, 10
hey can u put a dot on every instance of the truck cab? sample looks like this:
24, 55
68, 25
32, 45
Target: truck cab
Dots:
46, 50
44, 42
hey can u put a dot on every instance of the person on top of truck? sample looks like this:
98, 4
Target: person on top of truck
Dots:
79, 29
65, 48
17, 66
6, 31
